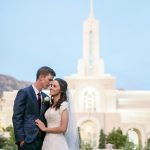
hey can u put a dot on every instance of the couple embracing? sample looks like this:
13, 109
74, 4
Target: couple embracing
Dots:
42, 122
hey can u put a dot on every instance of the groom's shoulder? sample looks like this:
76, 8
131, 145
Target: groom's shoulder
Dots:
25, 88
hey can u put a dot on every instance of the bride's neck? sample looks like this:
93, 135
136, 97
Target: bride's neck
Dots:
56, 99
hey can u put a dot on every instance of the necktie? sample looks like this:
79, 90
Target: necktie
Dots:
39, 100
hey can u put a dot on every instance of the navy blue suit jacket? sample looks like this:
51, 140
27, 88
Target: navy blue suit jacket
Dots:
25, 112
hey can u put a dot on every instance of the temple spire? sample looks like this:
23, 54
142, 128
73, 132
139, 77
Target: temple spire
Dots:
91, 9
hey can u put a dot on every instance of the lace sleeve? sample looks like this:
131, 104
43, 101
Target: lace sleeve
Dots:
63, 106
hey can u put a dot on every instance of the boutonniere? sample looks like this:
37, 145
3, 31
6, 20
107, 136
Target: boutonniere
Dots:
46, 99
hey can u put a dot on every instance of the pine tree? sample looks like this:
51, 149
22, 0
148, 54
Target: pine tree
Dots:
79, 137
102, 139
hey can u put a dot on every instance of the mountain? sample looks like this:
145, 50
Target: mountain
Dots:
8, 83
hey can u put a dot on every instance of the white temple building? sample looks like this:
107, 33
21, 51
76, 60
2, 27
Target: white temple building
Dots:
98, 103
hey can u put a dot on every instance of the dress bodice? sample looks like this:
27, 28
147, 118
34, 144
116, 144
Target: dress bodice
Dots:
53, 117
55, 141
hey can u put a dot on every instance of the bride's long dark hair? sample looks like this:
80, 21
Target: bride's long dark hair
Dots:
63, 88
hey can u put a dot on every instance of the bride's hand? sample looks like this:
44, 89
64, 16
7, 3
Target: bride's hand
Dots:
40, 124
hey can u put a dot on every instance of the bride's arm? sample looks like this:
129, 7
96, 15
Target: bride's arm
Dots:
61, 129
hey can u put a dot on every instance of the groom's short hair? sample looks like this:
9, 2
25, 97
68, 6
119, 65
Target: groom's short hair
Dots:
45, 70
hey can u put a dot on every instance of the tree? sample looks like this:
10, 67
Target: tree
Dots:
86, 146
117, 138
102, 139
129, 145
79, 137
10, 143
147, 146
2, 141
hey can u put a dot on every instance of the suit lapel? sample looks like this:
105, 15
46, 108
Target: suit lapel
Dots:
34, 100
33, 97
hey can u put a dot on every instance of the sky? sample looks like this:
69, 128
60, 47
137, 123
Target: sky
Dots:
35, 33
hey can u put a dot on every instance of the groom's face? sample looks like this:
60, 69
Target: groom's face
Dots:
46, 80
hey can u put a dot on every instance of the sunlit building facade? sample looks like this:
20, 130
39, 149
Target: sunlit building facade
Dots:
98, 103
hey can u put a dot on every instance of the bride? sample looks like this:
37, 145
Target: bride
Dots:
60, 131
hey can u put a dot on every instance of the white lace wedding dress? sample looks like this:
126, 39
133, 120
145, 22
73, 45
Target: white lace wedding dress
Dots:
55, 141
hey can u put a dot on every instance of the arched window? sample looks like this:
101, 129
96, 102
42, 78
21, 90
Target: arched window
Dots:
89, 98
88, 132
134, 136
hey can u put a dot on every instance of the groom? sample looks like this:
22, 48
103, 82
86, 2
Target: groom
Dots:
30, 104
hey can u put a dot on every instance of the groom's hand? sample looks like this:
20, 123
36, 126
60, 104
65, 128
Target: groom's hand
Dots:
21, 143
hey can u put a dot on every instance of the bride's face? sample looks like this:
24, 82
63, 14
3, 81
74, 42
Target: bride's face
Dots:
55, 88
